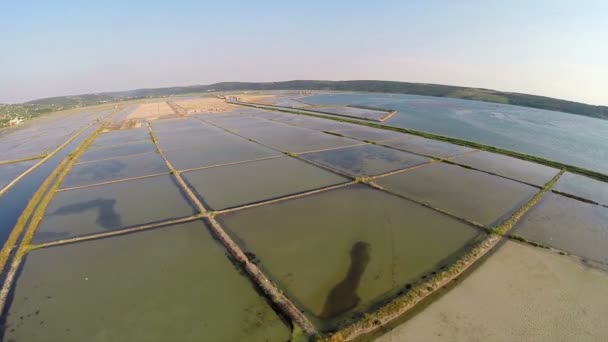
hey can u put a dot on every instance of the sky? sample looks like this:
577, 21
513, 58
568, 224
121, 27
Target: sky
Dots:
545, 47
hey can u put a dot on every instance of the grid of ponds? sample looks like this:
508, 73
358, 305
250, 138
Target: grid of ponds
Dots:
337, 253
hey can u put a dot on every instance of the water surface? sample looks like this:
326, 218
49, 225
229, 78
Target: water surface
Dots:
112, 206
567, 138
338, 253
468, 194
168, 284
233, 185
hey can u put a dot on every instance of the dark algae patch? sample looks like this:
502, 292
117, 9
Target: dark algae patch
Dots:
343, 296
107, 217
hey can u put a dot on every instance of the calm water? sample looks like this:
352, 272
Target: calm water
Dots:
567, 138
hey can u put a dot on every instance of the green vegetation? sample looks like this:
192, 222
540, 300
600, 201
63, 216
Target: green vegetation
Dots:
507, 225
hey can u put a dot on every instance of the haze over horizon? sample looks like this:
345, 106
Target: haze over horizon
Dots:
549, 48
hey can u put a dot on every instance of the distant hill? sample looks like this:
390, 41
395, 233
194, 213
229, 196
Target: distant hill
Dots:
478, 94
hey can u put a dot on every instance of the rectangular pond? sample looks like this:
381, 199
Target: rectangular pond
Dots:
167, 284
567, 224
469, 194
191, 138
427, 147
121, 137
338, 253
297, 140
583, 187
366, 160
223, 150
521, 170
136, 147
230, 186
114, 169
113, 206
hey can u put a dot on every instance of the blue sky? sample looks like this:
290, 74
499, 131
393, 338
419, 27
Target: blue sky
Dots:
553, 48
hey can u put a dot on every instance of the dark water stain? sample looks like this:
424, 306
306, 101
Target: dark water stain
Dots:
107, 216
105, 169
343, 296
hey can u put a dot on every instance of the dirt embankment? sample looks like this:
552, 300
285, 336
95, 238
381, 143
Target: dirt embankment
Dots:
152, 110
205, 104
261, 99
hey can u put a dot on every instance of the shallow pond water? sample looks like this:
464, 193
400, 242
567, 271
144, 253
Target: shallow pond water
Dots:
121, 137
340, 252
114, 169
168, 284
230, 186
427, 147
112, 206
469, 194
583, 187
314, 123
371, 134
295, 139
223, 150
136, 147
567, 224
366, 160
521, 170
8, 172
